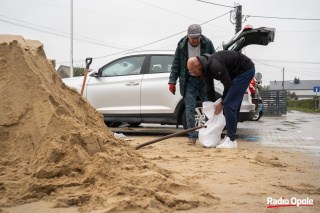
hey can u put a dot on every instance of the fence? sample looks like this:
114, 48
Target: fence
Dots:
274, 102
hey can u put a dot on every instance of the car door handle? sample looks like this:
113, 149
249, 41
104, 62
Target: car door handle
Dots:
132, 84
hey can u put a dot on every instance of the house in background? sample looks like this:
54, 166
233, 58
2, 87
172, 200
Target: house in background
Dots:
302, 88
64, 71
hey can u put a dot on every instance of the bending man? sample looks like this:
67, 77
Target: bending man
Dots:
235, 71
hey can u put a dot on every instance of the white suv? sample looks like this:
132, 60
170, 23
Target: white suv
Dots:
134, 89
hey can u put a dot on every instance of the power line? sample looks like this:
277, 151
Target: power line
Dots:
303, 68
126, 18
60, 35
64, 36
216, 4
304, 19
175, 13
90, 40
165, 9
294, 62
307, 74
108, 15
294, 68
32, 28
291, 69
293, 75
151, 42
297, 31
272, 66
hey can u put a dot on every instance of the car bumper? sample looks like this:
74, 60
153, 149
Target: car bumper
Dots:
246, 116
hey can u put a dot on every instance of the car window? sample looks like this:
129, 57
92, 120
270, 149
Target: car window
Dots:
125, 66
160, 64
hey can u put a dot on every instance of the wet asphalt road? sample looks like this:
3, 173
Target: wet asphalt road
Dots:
297, 131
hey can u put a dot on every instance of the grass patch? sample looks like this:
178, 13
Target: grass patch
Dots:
304, 109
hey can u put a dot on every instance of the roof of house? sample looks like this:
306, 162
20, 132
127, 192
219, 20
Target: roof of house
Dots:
68, 68
290, 85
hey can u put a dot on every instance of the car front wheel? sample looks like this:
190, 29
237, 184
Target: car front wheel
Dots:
113, 124
134, 124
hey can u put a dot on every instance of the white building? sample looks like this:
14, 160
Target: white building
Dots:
302, 88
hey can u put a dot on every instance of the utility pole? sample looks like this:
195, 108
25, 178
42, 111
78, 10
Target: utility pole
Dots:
315, 100
283, 78
238, 18
71, 48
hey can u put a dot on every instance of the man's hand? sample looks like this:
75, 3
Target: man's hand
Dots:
199, 77
219, 108
172, 88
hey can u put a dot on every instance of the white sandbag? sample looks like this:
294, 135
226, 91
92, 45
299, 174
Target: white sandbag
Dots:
210, 137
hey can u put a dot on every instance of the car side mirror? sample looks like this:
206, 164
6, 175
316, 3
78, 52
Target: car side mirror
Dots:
96, 73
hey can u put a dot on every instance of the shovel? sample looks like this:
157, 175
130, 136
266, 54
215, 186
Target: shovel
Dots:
170, 136
88, 62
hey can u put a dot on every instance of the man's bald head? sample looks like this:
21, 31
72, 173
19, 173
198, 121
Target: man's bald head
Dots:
195, 66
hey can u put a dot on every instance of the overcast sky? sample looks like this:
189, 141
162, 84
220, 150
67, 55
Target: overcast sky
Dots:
108, 27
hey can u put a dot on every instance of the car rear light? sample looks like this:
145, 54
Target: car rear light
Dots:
252, 86
247, 28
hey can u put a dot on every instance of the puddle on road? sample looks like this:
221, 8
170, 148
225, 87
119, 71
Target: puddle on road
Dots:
290, 123
302, 121
279, 129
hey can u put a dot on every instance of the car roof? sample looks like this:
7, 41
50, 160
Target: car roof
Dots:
150, 52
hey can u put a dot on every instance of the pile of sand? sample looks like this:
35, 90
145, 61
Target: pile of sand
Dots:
54, 146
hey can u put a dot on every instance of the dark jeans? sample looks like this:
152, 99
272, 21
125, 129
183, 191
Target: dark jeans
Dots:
194, 86
233, 100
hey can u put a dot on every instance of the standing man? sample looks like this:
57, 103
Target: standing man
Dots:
192, 45
235, 71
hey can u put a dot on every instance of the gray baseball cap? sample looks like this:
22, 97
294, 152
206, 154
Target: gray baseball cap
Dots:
194, 30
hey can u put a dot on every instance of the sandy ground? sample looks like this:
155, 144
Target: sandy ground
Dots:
240, 179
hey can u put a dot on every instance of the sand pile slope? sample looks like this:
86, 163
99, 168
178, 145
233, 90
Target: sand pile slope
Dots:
54, 146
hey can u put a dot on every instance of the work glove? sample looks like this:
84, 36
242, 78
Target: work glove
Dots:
172, 88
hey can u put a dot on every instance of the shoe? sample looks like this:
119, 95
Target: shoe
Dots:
228, 144
192, 141
225, 137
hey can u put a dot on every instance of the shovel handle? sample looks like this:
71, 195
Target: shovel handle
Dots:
169, 136
88, 62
